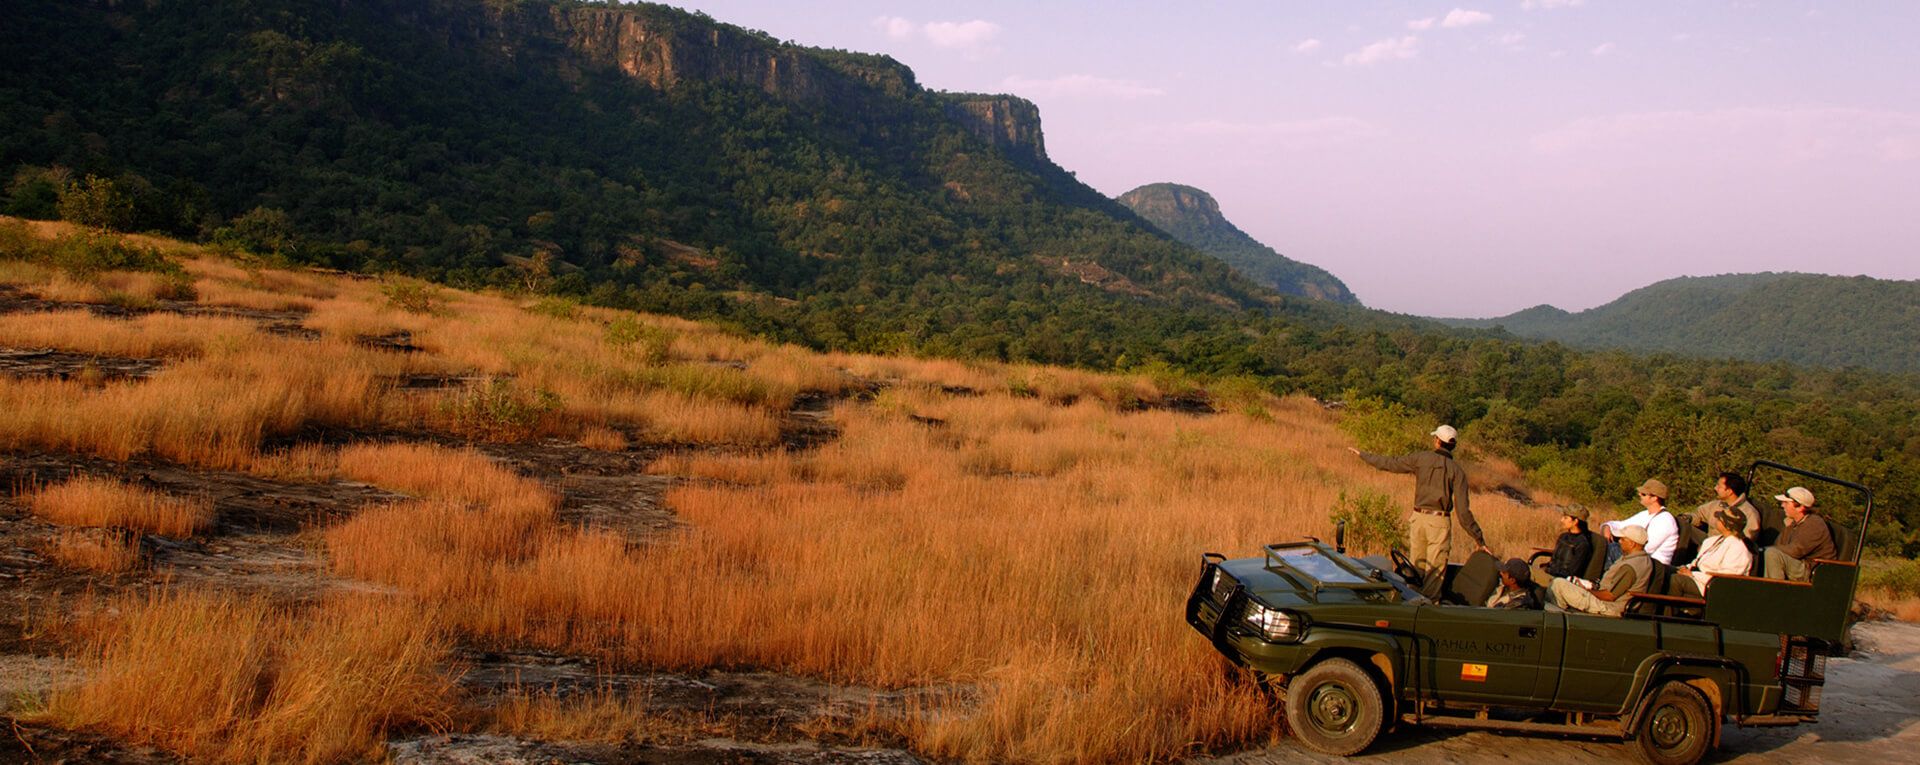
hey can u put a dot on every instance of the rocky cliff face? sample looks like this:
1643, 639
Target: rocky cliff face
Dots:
664, 47
1009, 122
1192, 216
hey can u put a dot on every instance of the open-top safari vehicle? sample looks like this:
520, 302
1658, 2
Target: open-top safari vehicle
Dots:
1354, 647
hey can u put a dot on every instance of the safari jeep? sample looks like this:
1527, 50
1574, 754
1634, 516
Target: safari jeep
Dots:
1354, 648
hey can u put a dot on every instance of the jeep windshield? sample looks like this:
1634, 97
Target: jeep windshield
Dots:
1316, 567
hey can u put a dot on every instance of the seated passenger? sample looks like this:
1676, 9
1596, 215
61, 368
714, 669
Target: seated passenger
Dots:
1630, 574
1725, 552
1663, 532
1730, 489
1516, 588
1572, 550
1805, 539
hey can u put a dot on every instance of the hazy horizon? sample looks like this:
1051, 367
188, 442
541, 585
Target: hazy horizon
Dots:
1461, 159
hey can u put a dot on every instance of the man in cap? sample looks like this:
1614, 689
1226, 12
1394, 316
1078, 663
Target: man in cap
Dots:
1632, 573
1516, 588
1572, 550
1662, 531
1439, 491
1806, 538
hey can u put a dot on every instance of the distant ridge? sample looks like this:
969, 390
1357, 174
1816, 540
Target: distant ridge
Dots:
1192, 216
1834, 321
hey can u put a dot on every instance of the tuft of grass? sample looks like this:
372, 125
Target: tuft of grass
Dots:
98, 502
101, 553
603, 439
412, 295
226, 678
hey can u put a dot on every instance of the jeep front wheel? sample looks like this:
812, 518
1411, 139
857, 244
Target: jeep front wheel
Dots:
1334, 707
1677, 728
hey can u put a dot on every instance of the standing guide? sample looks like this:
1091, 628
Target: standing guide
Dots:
1439, 492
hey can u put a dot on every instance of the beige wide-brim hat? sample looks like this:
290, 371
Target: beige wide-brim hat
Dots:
1653, 486
1635, 533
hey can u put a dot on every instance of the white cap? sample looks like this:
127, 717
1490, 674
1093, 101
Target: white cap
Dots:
1446, 433
1635, 533
1798, 495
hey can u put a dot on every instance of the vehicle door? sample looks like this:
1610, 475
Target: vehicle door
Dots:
1602, 655
1484, 655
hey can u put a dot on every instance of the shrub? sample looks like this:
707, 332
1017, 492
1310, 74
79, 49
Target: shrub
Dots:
1900, 577
261, 231
1374, 522
1383, 427
555, 307
647, 343
1563, 477
411, 295
96, 202
499, 410
89, 254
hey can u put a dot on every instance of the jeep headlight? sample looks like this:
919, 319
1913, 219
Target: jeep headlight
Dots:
1275, 625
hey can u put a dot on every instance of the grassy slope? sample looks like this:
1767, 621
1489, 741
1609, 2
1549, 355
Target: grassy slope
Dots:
972, 523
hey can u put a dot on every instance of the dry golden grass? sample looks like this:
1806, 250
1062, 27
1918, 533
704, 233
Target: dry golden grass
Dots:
891, 557
99, 502
106, 554
156, 335
604, 439
1904, 607
1032, 539
225, 678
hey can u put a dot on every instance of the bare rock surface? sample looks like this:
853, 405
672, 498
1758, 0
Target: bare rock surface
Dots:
61, 365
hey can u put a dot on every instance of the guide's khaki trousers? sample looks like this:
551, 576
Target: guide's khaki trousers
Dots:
1429, 541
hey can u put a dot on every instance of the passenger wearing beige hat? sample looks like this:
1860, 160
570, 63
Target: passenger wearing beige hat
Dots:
1726, 551
1439, 496
1633, 573
1663, 531
1807, 538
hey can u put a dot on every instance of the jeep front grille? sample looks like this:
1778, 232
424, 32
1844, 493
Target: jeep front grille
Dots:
1222, 586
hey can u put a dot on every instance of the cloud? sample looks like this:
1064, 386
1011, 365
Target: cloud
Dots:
1080, 86
1749, 136
1602, 49
1418, 25
1390, 49
1458, 18
1511, 39
969, 36
961, 34
1282, 135
1308, 45
895, 27
1548, 5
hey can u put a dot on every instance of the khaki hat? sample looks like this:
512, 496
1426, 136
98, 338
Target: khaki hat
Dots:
1635, 533
1653, 486
1445, 433
1576, 511
1797, 494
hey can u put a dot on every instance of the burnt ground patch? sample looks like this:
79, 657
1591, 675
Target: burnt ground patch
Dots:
61, 365
12, 300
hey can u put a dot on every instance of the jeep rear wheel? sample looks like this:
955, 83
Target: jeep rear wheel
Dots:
1335, 707
1677, 728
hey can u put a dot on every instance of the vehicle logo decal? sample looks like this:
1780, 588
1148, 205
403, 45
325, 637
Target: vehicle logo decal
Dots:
1473, 672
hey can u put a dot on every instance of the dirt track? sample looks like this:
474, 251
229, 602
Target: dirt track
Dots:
1870, 714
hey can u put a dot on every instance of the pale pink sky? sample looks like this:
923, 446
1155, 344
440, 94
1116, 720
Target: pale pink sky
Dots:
1462, 158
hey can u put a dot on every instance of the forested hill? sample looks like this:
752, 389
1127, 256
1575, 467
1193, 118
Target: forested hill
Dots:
1192, 216
1803, 318
637, 154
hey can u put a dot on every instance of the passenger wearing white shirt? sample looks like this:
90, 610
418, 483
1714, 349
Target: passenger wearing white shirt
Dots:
1663, 532
1726, 551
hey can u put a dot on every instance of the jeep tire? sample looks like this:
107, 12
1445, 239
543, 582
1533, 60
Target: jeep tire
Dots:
1677, 727
1335, 707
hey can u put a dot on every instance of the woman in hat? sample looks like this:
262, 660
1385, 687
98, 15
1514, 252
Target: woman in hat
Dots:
1725, 552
